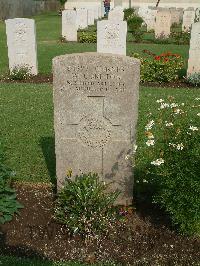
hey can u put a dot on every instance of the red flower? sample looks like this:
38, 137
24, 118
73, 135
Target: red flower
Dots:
157, 57
166, 59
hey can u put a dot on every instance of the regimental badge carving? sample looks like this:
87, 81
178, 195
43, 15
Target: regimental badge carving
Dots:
95, 132
20, 31
112, 33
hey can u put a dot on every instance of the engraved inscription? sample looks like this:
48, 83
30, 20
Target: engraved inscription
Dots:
95, 131
20, 32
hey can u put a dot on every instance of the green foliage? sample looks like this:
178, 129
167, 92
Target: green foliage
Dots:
135, 26
20, 73
87, 37
171, 145
8, 203
129, 12
62, 2
160, 68
194, 79
180, 37
85, 205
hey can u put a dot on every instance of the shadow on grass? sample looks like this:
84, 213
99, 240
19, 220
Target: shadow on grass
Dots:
48, 148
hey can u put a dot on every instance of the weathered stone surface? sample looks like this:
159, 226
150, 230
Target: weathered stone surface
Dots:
116, 13
21, 42
194, 52
69, 25
117, 3
111, 37
95, 116
163, 23
175, 16
82, 18
91, 16
150, 18
188, 20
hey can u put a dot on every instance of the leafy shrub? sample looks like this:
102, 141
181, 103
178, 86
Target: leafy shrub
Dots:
194, 79
8, 203
129, 12
85, 206
180, 37
160, 68
135, 26
20, 73
171, 172
85, 37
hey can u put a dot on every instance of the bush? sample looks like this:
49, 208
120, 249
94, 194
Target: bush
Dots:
20, 73
171, 145
180, 37
8, 203
194, 79
85, 206
160, 68
85, 37
129, 12
135, 26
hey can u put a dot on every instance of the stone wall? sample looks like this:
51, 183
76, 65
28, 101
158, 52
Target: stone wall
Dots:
25, 8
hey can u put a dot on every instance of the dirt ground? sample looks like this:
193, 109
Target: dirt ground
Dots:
144, 239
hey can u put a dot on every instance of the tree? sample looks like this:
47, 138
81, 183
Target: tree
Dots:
157, 4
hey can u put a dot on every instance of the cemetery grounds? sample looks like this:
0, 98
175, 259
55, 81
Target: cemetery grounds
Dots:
26, 119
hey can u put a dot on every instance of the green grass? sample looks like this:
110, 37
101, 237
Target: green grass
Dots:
26, 119
48, 31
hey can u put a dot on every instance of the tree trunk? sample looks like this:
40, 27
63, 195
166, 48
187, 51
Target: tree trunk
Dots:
157, 3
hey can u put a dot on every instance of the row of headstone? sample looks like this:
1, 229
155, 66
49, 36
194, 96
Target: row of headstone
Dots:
161, 19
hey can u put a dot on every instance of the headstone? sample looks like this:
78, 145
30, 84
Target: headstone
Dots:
142, 12
95, 116
188, 19
116, 13
194, 52
69, 25
82, 18
175, 16
21, 42
180, 10
96, 12
99, 12
163, 24
111, 37
150, 18
90, 16
117, 3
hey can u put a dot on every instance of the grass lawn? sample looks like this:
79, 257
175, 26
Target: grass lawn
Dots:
26, 119
48, 29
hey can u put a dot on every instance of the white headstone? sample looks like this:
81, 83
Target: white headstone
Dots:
69, 25
194, 52
90, 16
150, 18
163, 23
111, 37
82, 18
116, 14
188, 20
22, 47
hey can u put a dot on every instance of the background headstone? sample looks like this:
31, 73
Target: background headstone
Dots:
163, 23
21, 42
188, 20
90, 16
117, 3
111, 37
194, 52
95, 116
69, 25
116, 13
82, 18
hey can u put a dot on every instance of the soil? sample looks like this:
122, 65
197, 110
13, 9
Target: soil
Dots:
145, 238
41, 78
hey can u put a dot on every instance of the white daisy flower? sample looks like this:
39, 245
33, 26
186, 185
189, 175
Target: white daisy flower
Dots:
150, 142
180, 147
193, 128
158, 162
